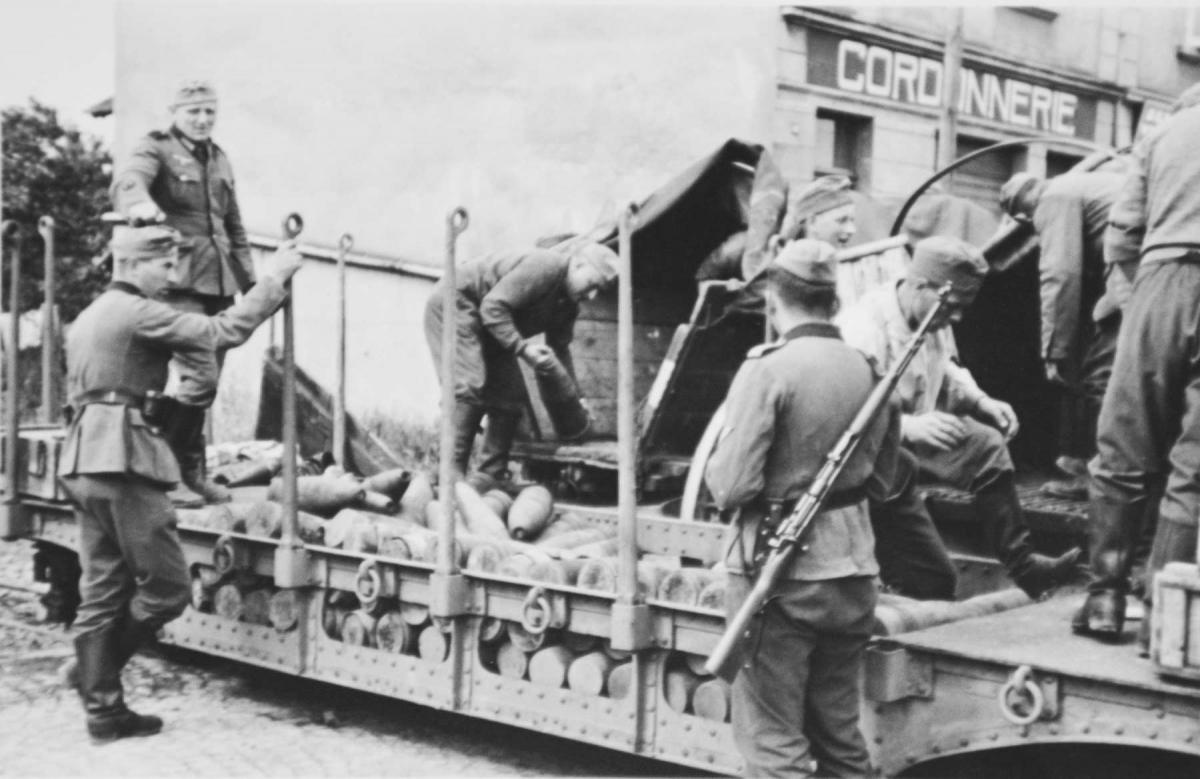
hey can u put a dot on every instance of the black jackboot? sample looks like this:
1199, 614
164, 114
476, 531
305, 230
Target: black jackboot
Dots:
497, 442
467, 417
108, 718
1006, 531
131, 635
1113, 528
185, 434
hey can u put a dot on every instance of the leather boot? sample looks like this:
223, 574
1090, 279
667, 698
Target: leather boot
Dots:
1173, 543
184, 432
467, 417
108, 718
1004, 525
195, 474
1113, 528
130, 637
497, 442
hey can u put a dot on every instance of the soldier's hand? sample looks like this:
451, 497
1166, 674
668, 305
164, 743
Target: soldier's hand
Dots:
999, 415
144, 213
539, 356
284, 263
937, 429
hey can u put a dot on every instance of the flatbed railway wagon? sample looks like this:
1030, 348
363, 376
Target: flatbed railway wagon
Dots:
596, 629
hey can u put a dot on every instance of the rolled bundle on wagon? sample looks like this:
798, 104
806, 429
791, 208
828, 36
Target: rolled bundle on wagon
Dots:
284, 610
320, 495
548, 666
265, 520
433, 645
358, 628
530, 513
684, 585
620, 680
589, 673
256, 605
416, 497
393, 483
678, 686
512, 661
710, 700
393, 633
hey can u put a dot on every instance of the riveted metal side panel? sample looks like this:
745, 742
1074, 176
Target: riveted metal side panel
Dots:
256, 644
684, 738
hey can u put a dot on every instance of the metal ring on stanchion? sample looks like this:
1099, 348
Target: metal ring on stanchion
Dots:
293, 225
459, 220
224, 556
1022, 693
536, 611
368, 584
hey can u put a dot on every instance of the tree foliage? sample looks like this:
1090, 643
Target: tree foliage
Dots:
52, 170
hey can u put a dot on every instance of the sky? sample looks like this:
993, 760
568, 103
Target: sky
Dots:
60, 52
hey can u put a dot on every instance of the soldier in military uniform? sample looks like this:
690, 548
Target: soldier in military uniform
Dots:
115, 466
182, 177
1081, 301
1149, 427
795, 703
503, 300
955, 432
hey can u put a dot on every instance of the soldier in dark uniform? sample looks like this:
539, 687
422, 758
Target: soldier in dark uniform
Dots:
115, 466
1148, 435
795, 701
183, 177
503, 300
1081, 300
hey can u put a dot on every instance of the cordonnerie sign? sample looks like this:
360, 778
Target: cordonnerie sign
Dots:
878, 71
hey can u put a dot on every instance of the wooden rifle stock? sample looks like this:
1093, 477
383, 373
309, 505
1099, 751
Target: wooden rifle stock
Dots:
789, 536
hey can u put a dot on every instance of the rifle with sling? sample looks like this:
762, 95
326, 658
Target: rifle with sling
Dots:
789, 537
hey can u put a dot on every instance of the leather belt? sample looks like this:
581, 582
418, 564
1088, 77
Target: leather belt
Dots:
110, 397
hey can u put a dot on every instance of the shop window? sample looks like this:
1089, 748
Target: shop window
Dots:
1058, 163
843, 147
981, 178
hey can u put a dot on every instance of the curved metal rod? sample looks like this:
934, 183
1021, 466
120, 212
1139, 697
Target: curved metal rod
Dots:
963, 160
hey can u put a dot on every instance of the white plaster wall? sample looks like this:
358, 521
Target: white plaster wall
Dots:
379, 118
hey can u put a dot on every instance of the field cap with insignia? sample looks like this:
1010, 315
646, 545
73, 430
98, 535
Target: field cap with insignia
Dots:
602, 258
810, 261
193, 91
130, 244
940, 259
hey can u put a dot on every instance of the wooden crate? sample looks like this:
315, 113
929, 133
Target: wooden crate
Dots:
1175, 640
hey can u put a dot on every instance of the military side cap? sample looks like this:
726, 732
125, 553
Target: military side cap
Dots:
1016, 193
602, 258
143, 243
193, 91
941, 259
823, 194
809, 260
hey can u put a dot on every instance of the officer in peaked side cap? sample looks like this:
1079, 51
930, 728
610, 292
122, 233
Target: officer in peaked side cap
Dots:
795, 701
182, 177
117, 468
504, 299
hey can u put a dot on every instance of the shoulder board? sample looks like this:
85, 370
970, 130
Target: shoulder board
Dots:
764, 349
159, 135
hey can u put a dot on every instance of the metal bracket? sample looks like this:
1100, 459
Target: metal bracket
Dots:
893, 674
631, 626
292, 567
449, 595
14, 520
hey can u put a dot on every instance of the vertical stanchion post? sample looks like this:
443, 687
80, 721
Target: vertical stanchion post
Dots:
49, 410
449, 596
288, 569
630, 615
11, 517
345, 244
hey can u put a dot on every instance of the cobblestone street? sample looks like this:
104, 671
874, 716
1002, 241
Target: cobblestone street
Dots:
227, 719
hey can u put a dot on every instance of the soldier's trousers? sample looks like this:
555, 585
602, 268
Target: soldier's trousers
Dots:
129, 552
1081, 405
1149, 423
208, 305
913, 560
796, 699
975, 463
484, 374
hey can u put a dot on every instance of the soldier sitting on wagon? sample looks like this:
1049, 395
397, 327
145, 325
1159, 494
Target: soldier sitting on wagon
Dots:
955, 431
503, 300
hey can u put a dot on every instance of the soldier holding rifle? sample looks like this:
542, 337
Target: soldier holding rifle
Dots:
795, 700
116, 466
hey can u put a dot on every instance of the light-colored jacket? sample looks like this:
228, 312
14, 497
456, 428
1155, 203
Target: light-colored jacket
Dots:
934, 381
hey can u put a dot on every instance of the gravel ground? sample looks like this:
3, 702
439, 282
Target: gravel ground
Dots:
228, 719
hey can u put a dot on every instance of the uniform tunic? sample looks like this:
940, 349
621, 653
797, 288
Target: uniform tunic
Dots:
193, 185
502, 300
115, 467
1081, 297
1149, 427
796, 698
